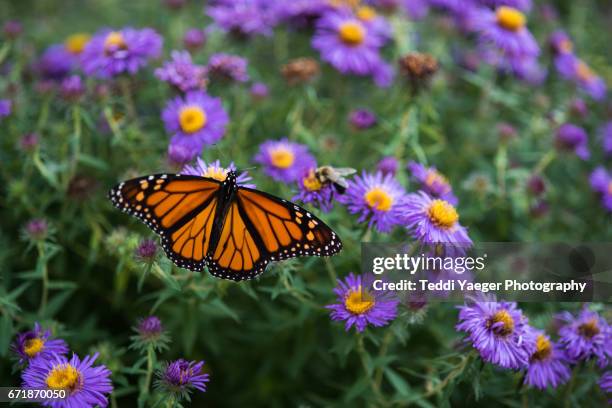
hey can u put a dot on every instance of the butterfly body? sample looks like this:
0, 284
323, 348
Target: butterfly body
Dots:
232, 230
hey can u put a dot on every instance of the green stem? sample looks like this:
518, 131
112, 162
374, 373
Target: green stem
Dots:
124, 84
544, 162
147, 381
501, 164
76, 141
384, 347
331, 271
45, 277
44, 114
363, 357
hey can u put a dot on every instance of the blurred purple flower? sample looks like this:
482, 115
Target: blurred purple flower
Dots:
182, 73
300, 13
606, 132
243, 17
150, 327
229, 67
259, 91
523, 5
416, 9
579, 108
560, 43
377, 198
499, 331
6, 107
28, 142
216, 171
12, 29
362, 119
586, 336
388, 165
195, 120
37, 343
85, 385
548, 364
55, 63
178, 155
180, 377
605, 383
573, 138
110, 53
284, 160
351, 46
536, 185
359, 305
601, 183
574, 69
72, 88
146, 250
194, 39
37, 229
312, 191
432, 182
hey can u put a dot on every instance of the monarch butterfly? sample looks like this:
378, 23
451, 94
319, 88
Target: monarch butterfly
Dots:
232, 230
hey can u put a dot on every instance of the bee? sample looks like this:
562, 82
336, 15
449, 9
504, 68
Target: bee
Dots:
334, 176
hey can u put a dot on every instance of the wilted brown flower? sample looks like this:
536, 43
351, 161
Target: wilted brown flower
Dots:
300, 70
418, 67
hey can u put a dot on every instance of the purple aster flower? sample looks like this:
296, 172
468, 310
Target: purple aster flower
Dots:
110, 53
149, 333
72, 88
311, 190
574, 69
362, 119
351, 46
499, 331
504, 34
195, 120
85, 385
146, 250
377, 198
180, 377
194, 39
182, 73
388, 165
605, 383
601, 183
358, 304
6, 106
434, 220
150, 327
300, 13
432, 182
259, 91
573, 138
586, 336
228, 67
376, 23
216, 171
37, 343
548, 365
244, 17
560, 43
55, 63
606, 132
284, 160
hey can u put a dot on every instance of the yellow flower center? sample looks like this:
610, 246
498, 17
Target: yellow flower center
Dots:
217, 173
358, 301
378, 199
192, 119
584, 72
63, 377
510, 18
114, 39
589, 329
442, 214
543, 348
33, 346
352, 33
282, 158
75, 44
504, 317
311, 183
366, 13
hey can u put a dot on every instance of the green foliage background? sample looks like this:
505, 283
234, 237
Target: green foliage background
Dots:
270, 342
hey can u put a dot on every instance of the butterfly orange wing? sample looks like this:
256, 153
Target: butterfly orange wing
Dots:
260, 228
181, 209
